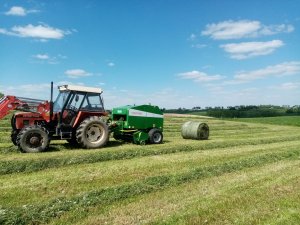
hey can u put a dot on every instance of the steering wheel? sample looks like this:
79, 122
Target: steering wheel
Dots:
72, 108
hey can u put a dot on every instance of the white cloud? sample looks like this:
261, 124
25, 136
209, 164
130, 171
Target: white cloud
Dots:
283, 69
288, 86
274, 29
111, 64
198, 76
6, 32
41, 31
46, 58
246, 50
76, 73
41, 56
16, 11
19, 11
231, 29
242, 29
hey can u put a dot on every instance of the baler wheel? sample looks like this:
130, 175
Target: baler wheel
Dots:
33, 139
92, 133
155, 136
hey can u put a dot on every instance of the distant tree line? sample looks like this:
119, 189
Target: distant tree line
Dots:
241, 111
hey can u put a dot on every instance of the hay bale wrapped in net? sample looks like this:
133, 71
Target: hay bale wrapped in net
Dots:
195, 130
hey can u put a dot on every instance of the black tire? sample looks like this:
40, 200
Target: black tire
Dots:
33, 139
73, 141
155, 136
92, 133
13, 136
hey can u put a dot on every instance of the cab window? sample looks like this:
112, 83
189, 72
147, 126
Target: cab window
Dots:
75, 101
92, 102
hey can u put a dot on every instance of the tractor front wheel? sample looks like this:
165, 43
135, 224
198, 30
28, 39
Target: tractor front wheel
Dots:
33, 139
155, 136
92, 133
13, 136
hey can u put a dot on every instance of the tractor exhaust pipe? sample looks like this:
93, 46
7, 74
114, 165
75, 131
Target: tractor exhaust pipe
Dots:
51, 102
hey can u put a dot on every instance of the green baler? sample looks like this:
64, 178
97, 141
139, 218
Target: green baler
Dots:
140, 124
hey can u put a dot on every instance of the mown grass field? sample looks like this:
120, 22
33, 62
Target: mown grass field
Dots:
246, 173
279, 120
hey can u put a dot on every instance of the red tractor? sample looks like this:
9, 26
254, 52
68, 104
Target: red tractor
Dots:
77, 115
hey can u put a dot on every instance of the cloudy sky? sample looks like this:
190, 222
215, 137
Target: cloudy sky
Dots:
182, 53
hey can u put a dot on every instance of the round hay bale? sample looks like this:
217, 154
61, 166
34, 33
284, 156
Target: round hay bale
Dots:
195, 130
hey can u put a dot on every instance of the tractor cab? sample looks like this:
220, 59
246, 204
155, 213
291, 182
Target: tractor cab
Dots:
77, 98
73, 104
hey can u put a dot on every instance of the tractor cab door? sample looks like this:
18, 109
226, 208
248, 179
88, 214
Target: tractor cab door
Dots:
71, 107
66, 108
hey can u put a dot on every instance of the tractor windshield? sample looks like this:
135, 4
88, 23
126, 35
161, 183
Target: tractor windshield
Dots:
60, 101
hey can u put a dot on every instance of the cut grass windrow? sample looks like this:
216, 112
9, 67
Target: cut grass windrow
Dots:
241, 197
17, 166
41, 186
38, 214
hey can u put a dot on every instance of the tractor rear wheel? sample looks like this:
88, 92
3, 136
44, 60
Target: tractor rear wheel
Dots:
33, 139
92, 133
155, 136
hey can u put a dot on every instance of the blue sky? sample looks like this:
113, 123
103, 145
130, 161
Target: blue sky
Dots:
169, 53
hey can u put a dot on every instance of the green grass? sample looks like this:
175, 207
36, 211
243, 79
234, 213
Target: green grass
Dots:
279, 120
242, 197
246, 173
202, 113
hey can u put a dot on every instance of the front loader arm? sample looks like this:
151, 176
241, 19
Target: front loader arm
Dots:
9, 103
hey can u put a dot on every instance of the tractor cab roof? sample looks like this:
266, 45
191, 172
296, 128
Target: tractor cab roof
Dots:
79, 88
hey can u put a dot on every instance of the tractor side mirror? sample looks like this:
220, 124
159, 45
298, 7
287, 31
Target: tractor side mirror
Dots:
76, 98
